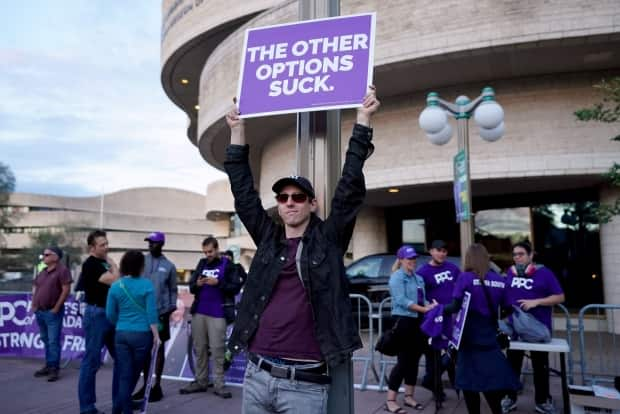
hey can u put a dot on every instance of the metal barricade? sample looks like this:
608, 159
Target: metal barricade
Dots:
364, 312
606, 344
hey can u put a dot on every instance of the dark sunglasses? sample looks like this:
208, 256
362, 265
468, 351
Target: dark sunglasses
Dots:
47, 254
297, 197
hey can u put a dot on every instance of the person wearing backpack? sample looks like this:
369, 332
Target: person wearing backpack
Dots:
131, 308
535, 289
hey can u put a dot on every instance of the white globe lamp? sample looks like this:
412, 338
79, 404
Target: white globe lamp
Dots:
492, 134
433, 119
442, 137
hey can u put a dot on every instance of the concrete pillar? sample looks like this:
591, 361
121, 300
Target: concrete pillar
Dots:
370, 235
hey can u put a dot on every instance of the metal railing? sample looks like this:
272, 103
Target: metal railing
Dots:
606, 358
364, 313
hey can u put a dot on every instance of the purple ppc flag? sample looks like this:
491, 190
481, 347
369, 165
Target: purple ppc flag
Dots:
307, 66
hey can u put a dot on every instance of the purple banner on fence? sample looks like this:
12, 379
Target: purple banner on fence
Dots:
19, 332
307, 66
19, 335
459, 321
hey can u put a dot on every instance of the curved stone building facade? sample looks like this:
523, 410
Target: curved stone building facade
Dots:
127, 216
542, 59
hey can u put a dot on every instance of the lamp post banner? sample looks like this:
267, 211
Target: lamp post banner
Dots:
461, 203
307, 66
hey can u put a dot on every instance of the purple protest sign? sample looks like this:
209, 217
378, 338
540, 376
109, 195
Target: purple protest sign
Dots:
307, 66
19, 332
459, 321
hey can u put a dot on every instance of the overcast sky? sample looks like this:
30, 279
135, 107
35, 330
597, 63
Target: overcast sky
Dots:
82, 109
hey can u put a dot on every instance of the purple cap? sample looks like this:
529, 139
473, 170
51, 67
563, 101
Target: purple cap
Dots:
406, 252
157, 237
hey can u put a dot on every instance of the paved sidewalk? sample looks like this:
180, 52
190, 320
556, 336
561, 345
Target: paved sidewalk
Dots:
21, 393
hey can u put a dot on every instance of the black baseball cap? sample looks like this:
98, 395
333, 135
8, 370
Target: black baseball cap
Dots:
438, 244
296, 180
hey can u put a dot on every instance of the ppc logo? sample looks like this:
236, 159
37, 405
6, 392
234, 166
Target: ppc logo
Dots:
8, 312
438, 319
443, 276
522, 283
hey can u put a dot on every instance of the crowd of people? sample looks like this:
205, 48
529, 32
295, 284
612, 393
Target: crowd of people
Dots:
295, 319
481, 365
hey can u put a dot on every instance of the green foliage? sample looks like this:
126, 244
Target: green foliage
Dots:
7, 186
607, 111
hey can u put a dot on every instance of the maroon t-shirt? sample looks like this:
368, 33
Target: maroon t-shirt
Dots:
49, 287
286, 328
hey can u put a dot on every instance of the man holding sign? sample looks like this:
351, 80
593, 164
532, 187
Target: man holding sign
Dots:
295, 315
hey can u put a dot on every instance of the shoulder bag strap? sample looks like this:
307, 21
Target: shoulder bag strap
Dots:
122, 285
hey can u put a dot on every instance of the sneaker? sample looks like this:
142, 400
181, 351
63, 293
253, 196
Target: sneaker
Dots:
193, 387
43, 372
53, 375
139, 395
222, 393
156, 394
546, 408
508, 405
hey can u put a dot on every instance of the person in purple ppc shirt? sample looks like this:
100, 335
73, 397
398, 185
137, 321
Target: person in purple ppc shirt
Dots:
295, 317
208, 321
439, 278
535, 289
481, 367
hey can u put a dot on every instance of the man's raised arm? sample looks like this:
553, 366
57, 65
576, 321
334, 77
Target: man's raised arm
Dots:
247, 201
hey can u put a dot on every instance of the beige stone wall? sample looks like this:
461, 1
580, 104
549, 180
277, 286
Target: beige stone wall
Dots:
410, 30
183, 20
370, 235
541, 139
218, 86
407, 31
129, 216
151, 201
219, 197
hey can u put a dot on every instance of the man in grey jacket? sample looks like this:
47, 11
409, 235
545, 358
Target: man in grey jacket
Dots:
163, 273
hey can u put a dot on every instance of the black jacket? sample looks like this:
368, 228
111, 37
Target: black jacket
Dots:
195, 289
324, 244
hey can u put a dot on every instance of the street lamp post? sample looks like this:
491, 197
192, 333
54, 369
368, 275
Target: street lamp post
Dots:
489, 116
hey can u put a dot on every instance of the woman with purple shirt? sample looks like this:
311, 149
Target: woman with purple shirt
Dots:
535, 290
408, 302
481, 366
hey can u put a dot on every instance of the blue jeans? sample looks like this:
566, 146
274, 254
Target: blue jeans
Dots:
50, 327
132, 350
263, 393
98, 331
